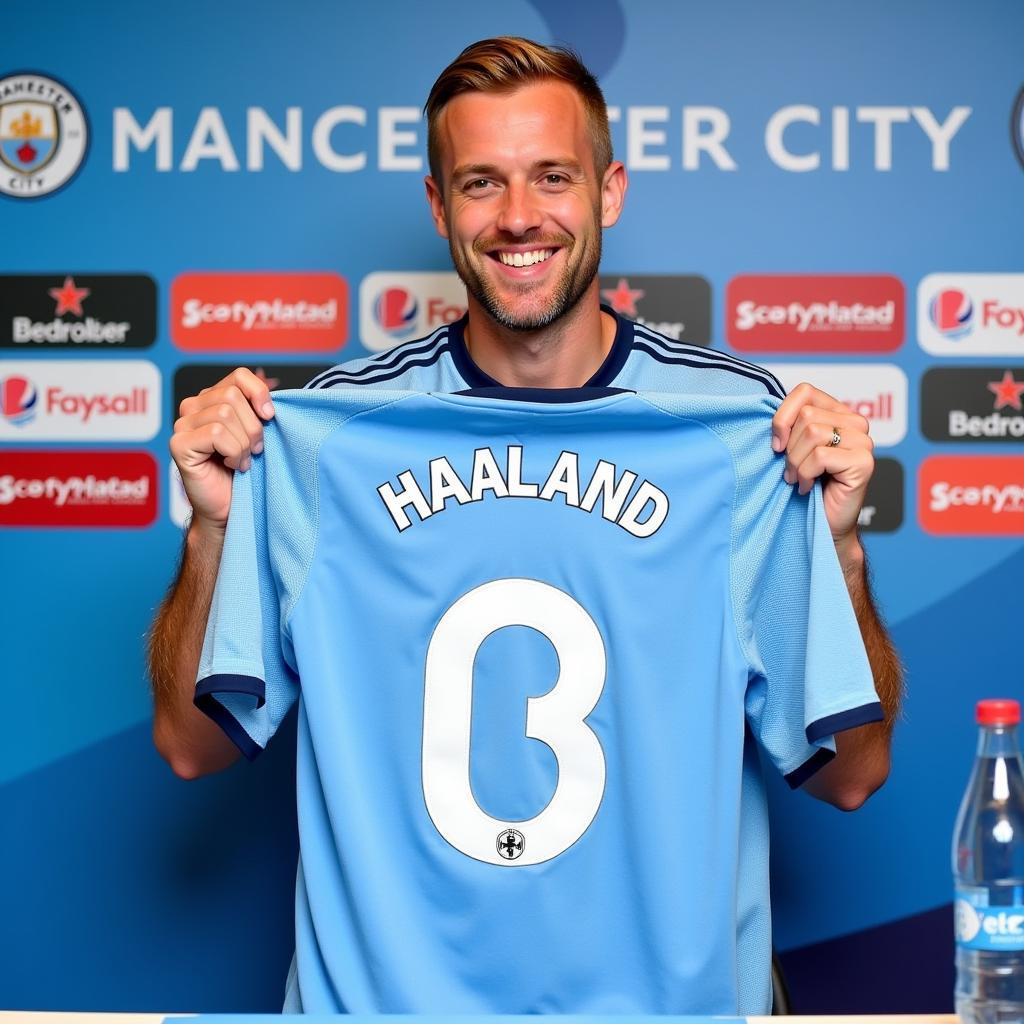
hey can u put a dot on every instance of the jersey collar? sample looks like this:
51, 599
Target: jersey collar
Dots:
604, 377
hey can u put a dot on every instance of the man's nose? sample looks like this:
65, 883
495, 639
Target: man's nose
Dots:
520, 212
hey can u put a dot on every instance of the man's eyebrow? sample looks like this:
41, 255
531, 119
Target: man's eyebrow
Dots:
486, 170
476, 169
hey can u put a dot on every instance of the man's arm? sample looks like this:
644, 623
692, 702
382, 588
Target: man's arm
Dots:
190, 742
861, 764
217, 434
803, 428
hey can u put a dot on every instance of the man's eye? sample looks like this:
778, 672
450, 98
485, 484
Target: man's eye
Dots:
554, 179
477, 184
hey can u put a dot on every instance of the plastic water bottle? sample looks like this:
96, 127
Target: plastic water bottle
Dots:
988, 864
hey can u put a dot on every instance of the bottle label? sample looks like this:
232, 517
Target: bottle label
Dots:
979, 926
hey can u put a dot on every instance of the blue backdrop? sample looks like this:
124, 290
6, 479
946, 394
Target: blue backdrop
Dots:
128, 889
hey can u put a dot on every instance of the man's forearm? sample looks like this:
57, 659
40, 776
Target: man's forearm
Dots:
861, 764
885, 662
191, 743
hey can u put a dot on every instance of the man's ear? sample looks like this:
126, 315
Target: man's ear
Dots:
436, 201
613, 193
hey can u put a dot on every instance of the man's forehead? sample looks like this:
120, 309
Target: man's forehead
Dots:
543, 120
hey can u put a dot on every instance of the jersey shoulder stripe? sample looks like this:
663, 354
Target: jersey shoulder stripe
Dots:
668, 350
386, 366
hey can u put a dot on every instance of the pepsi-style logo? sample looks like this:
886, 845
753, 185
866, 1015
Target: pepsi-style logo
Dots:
951, 311
17, 400
396, 311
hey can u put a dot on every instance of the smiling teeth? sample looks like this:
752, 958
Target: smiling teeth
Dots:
524, 259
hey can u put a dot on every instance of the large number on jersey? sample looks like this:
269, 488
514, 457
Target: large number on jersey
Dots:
557, 718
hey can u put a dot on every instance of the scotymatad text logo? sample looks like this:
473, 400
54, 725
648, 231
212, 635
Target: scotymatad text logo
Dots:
44, 135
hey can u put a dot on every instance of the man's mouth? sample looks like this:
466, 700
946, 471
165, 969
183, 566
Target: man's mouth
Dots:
524, 259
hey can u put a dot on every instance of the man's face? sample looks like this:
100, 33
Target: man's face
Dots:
520, 202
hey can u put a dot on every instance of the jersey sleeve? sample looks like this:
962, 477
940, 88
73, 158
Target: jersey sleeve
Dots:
245, 683
809, 672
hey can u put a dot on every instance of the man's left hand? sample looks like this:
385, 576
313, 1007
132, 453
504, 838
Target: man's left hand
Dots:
803, 428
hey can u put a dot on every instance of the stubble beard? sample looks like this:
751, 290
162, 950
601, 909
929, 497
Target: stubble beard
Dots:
569, 289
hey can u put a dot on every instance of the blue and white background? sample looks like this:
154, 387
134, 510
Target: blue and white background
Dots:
127, 889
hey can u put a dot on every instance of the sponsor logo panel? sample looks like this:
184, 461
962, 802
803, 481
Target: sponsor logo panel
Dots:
89, 312
77, 488
971, 314
397, 307
44, 135
677, 305
79, 400
877, 391
191, 378
815, 313
267, 312
973, 404
972, 495
882, 511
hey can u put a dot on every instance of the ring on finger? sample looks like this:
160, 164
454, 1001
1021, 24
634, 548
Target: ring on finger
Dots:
836, 438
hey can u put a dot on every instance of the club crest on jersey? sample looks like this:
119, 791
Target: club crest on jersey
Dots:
511, 844
640, 510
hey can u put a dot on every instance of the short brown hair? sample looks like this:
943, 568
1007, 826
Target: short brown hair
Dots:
505, 63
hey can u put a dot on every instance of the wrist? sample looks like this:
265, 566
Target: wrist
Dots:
205, 538
851, 554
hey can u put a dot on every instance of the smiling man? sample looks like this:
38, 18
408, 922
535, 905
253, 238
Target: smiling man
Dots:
522, 185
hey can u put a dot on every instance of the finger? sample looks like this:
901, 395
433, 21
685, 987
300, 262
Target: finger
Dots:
254, 390
786, 415
809, 436
224, 418
191, 449
234, 404
819, 424
852, 468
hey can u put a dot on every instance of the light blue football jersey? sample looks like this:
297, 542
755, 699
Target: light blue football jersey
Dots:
533, 637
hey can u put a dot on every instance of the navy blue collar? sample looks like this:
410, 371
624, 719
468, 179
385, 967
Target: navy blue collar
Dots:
552, 396
606, 372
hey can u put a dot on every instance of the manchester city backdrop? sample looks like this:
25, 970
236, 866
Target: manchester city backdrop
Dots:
832, 190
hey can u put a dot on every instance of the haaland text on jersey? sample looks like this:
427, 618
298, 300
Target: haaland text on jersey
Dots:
605, 484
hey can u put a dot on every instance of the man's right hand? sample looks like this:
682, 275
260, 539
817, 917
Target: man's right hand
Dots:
217, 432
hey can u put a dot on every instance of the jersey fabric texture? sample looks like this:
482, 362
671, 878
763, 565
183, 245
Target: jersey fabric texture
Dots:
531, 643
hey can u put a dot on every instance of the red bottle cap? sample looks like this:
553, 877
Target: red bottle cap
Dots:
998, 712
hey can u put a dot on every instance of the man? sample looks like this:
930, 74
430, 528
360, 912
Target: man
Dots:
521, 185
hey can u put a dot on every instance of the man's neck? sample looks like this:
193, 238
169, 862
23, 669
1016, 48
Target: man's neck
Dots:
565, 354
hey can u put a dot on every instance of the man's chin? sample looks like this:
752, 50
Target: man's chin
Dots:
520, 319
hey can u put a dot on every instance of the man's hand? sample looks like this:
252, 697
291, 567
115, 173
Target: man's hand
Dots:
802, 427
217, 432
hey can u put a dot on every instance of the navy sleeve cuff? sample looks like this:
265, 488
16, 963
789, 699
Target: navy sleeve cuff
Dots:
206, 700
818, 759
844, 720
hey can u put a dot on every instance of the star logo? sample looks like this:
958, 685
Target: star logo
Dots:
1007, 391
622, 298
271, 382
69, 298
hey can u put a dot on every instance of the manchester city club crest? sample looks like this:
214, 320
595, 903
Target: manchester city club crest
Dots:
511, 844
44, 135
1017, 126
